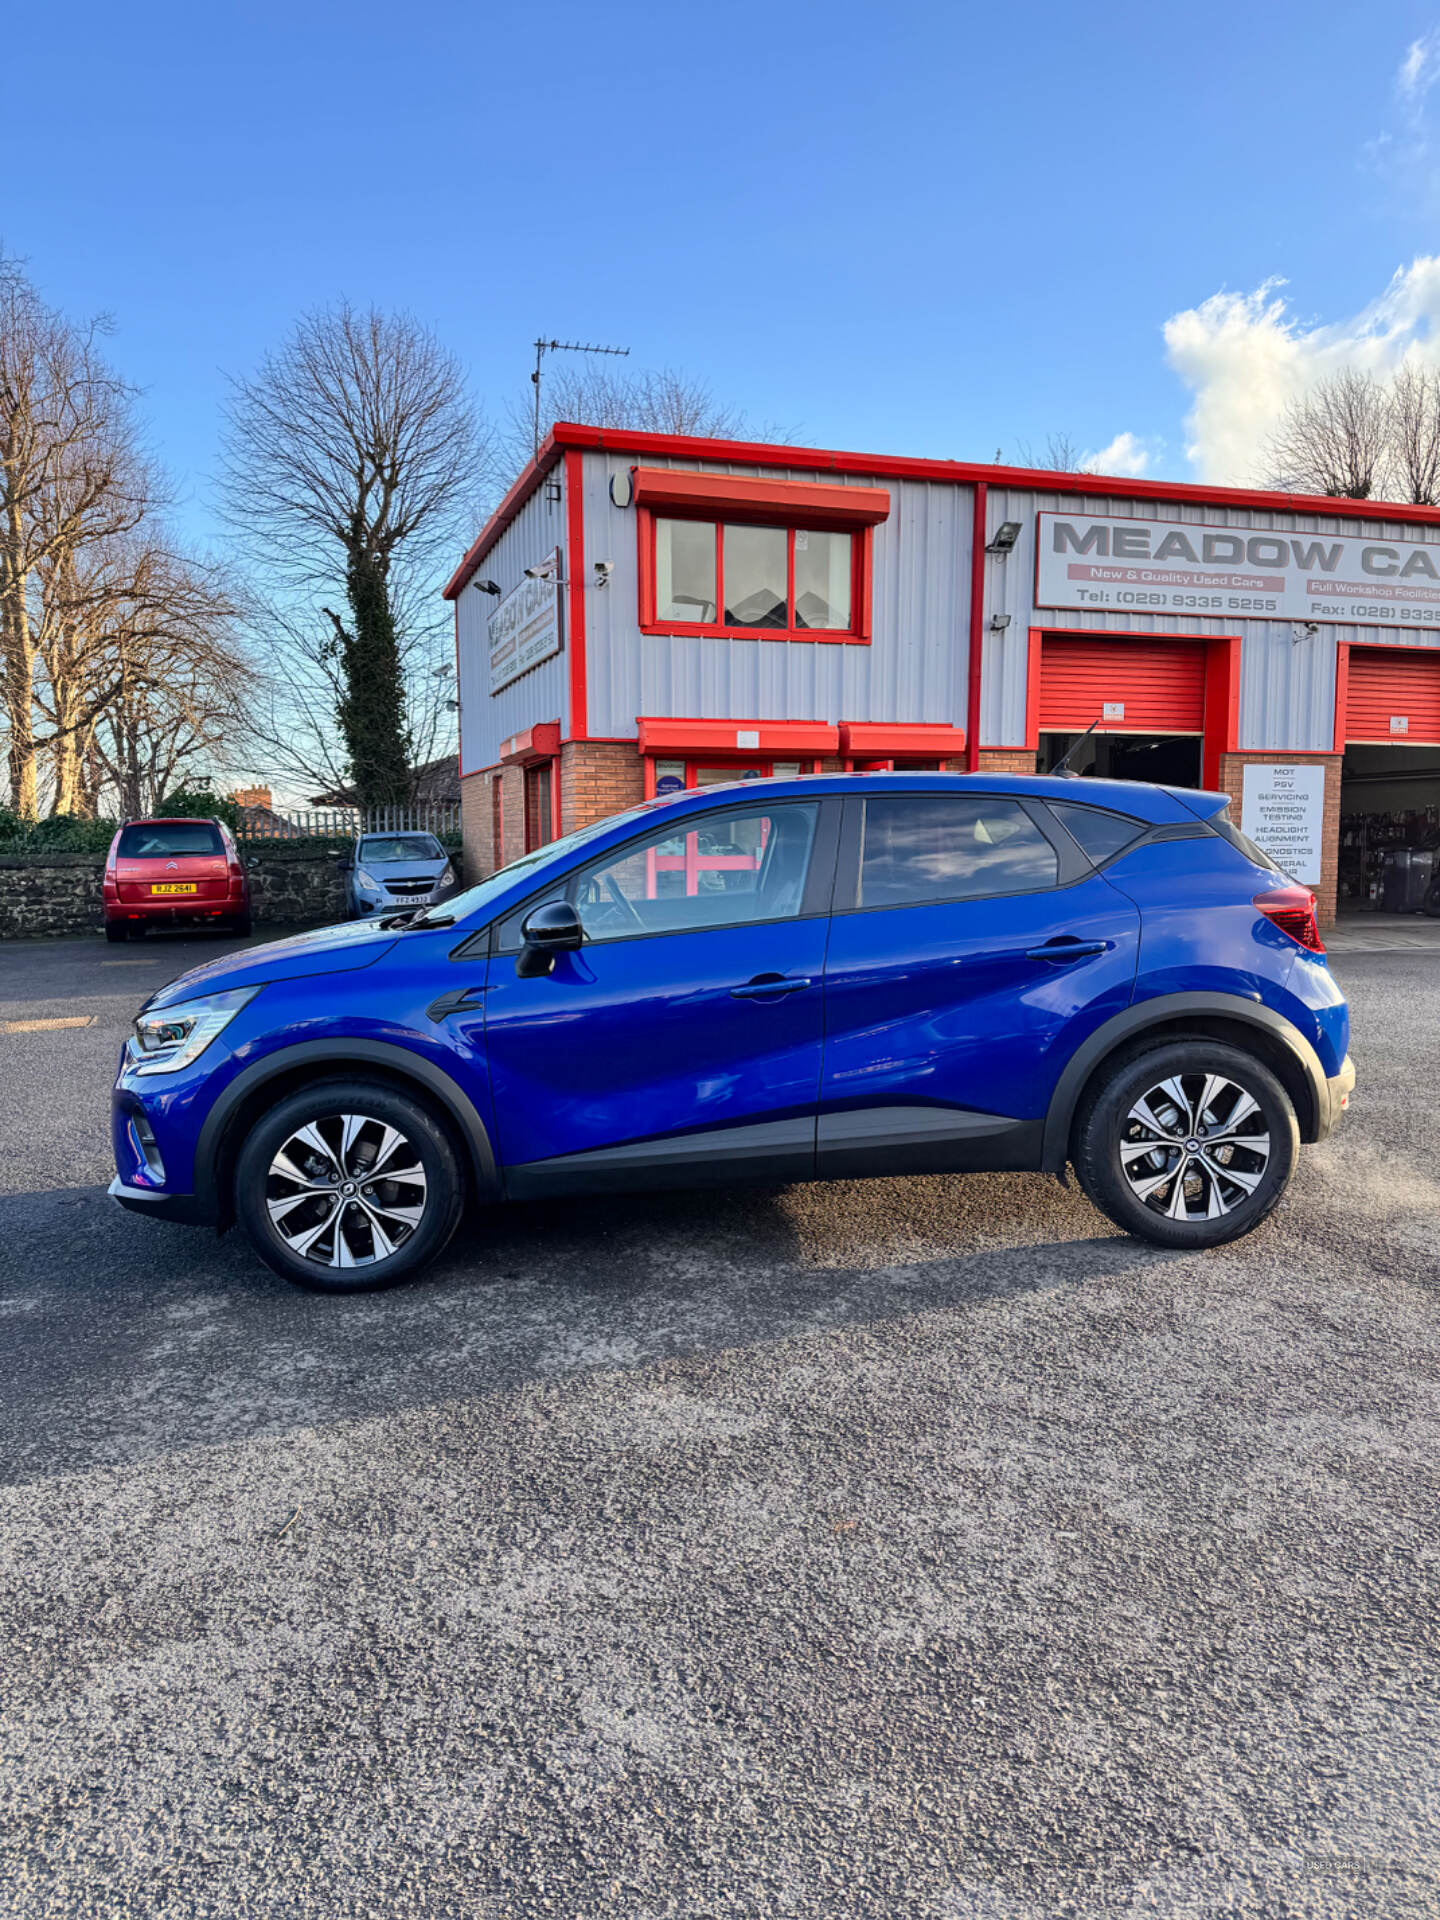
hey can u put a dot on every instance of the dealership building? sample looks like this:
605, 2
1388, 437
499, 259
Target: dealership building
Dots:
647, 612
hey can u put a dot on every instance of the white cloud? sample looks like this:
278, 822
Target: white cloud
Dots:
1420, 68
1125, 454
1244, 355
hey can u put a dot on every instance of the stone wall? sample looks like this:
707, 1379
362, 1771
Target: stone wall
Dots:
61, 893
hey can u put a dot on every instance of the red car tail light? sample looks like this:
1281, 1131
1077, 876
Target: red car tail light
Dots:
1292, 910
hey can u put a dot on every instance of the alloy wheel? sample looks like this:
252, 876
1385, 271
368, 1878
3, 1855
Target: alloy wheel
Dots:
1194, 1146
346, 1190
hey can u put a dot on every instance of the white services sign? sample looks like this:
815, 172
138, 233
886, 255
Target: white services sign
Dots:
1282, 808
1166, 566
524, 627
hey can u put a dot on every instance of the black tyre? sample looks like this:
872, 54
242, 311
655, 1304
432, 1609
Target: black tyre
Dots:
242, 925
348, 1185
1189, 1145
116, 930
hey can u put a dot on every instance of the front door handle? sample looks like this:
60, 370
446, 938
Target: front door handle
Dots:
460, 999
769, 986
1067, 948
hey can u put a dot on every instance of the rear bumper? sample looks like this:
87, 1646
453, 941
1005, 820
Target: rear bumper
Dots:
1338, 1090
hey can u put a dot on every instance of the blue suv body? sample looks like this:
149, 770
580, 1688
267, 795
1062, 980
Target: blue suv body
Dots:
782, 980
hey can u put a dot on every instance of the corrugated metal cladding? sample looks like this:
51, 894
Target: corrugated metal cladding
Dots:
1287, 687
1384, 687
543, 693
914, 669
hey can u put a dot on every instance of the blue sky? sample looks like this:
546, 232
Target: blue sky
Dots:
919, 228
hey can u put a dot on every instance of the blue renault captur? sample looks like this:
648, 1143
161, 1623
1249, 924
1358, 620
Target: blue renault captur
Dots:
819, 978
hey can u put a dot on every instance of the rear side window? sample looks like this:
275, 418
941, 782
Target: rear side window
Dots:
1228, 830
168, 839
938, 846
1100, 834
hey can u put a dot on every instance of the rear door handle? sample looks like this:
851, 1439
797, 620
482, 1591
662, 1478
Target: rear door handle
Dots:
1066, 949
769, 986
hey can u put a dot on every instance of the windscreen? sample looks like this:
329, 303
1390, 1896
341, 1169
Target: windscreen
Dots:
381, 847
168, 839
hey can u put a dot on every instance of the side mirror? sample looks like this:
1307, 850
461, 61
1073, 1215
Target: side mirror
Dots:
552, 928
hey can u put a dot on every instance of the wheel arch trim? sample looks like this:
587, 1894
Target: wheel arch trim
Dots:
337, 1056
1165, 1010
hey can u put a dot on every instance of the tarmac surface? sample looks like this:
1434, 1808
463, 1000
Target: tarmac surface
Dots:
915, 1547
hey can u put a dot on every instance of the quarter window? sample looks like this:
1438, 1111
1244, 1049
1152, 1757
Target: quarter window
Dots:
1101, 834
938, 846
756, 579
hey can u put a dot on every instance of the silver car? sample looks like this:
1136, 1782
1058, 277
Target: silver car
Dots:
393, 872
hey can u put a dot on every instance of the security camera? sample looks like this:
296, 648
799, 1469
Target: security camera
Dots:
603, 571
542, 572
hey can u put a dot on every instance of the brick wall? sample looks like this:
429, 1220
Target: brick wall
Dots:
598, 778
1232, 778
1004, 760
475, 806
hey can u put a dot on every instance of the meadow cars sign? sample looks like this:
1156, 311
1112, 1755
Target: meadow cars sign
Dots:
525, 626
1166, 566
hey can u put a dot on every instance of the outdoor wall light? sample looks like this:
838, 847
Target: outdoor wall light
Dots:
1004, 537
999, 622
485, 586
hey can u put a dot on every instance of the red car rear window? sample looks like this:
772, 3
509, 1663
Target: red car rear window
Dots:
166, 839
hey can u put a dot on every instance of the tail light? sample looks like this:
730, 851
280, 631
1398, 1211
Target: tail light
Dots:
1292, 910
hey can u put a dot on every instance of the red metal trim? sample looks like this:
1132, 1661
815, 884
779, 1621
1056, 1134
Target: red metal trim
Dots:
540, 742
1221, 723
575, 562
861, 613
661, 734
726, 494
857, 635
889, 467
886, 740
1032, 690
977, 626
1342, 693
819, 636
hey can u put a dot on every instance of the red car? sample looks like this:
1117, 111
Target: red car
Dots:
162, 873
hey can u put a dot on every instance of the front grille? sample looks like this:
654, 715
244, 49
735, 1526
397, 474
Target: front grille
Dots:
408, 887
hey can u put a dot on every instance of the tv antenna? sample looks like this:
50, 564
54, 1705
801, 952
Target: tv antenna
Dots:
542, 347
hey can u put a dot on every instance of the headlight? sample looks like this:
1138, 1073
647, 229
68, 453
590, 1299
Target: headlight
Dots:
447, 878
364, 880
169, 1040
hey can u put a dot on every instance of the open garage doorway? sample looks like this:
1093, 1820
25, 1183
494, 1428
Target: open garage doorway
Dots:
1388, 723
1169, 759
1165, 707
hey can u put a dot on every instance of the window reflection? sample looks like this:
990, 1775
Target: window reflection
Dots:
685, 569
756, 592
822, 579
925, 846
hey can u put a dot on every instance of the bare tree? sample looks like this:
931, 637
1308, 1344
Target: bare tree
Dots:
1413, 463
350, 457
1334, 439
1062, 454
69, 477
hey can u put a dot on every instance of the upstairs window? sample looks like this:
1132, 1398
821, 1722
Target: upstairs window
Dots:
735, 578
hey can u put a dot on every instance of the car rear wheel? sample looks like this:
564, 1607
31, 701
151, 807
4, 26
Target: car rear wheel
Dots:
242, 925
116, 930
347, 1186
1189, 1145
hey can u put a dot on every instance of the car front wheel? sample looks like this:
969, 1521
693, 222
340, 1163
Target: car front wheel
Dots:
347, 1186
1189, 1145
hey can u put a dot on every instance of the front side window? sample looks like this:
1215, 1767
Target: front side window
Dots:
723, 870
756, 579
937, 846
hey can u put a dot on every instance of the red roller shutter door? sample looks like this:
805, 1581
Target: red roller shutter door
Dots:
1393, 683
1159, 683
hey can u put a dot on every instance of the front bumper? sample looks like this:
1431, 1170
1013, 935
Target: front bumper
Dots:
186, 1209
1339, 1088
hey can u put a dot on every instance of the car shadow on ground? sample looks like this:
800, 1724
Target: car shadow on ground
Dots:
188, 1341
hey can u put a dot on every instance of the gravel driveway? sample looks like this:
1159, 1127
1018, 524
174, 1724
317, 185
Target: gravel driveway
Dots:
915, 1548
